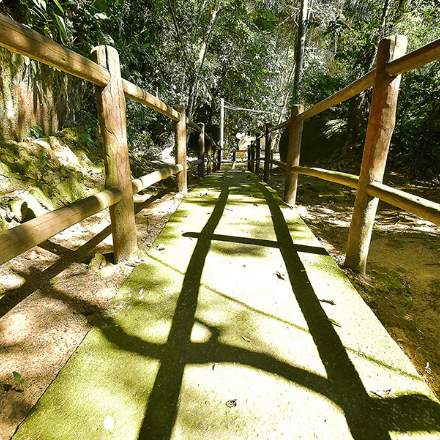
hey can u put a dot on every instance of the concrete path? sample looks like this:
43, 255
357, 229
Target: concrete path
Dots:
238, 325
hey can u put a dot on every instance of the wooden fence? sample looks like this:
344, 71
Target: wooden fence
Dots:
391, 62
103, 70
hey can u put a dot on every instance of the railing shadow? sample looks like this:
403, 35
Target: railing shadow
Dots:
37, 279
366, 417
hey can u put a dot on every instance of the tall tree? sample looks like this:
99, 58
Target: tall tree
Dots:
300, 48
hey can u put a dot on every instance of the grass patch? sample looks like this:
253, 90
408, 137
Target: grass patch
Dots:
389, 281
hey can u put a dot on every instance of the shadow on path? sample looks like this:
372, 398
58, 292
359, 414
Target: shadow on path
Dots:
366, 417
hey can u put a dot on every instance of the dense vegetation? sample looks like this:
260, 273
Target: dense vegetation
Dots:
194, 52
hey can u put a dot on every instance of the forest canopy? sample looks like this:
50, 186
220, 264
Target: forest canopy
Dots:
262, 55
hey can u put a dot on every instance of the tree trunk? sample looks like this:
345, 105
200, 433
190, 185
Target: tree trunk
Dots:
300, 49
192, 95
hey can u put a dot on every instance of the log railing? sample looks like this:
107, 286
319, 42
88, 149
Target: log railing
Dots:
385, 79
111, 90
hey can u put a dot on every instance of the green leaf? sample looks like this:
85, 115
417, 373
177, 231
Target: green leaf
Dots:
54, 281
42, 4
62, 28
17, 376
59, 6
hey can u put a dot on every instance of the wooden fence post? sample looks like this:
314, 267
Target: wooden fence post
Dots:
219, 159
180, 145
267, 155
293, 152
252, 157
249, 157
214, 160
257, 156
209, 158
377, 140
201, 150
110, 102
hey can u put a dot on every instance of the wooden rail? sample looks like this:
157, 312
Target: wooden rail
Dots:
17, 38
156, 176
410, 61
110, 91
17, 240
385, 79
348, 92
27, 42
332, 176
417, 205
414, 59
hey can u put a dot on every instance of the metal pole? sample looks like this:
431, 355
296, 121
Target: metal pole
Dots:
222, 128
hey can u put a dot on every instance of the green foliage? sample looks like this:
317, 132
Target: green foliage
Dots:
416, 144
318, 84
36, 132
19, 380
390, 281
175, 49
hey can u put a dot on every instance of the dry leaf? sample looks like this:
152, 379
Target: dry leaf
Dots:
328, 301
231, 403
280, 275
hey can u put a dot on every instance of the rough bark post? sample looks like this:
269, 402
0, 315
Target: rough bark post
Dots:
380, 128
257, 156
293, 152
180, 145
110, 102
219, 159
201, 150
252, 158
249, 158
267, 154
209, 158
214, 160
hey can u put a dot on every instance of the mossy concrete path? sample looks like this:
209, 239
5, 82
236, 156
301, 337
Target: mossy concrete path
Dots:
237, 325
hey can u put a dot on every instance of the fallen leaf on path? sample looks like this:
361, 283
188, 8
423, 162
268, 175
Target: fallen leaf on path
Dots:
160, 247
280, 275
328, 301
333, 322
231, 403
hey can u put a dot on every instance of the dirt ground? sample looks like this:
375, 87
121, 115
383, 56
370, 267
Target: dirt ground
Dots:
51, 295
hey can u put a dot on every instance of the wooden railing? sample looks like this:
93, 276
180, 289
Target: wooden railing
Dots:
385, 78
111, 90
